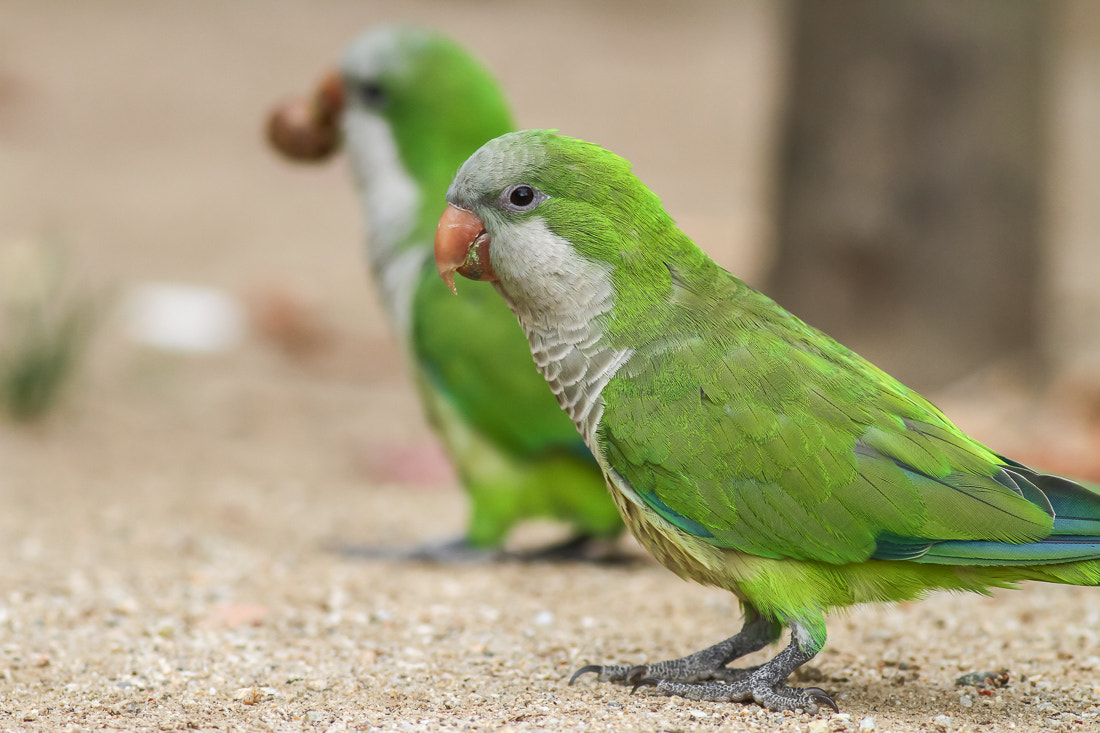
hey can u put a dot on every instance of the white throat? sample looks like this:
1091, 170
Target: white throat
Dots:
390, 200
559, 299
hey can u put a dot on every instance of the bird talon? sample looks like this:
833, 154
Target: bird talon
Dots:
584, 670
820, 696
644, 682
634, 674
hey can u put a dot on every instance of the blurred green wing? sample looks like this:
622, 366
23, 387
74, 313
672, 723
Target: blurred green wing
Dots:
474, 352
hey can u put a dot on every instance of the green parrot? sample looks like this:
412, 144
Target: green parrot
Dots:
411, 106
744, 448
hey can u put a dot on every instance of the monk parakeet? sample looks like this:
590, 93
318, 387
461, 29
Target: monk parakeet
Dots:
411, 106
744, 448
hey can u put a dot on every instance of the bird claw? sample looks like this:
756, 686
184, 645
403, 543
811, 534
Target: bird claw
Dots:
597, 668
616, 673
643, 682
821, 697
636, 676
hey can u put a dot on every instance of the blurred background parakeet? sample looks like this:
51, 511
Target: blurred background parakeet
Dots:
411, 105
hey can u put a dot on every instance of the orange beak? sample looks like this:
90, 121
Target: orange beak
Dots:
308, 128
462, 246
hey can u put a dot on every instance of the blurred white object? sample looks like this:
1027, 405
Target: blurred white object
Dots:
183, 318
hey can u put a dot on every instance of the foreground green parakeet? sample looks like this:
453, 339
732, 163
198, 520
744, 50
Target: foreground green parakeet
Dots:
744, 448
412, 106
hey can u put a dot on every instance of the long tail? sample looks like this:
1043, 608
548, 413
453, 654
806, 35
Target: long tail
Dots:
1074, 538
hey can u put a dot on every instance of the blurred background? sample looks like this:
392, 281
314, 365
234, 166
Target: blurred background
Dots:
179, 308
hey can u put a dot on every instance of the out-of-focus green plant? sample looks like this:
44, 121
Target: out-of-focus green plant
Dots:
44, 328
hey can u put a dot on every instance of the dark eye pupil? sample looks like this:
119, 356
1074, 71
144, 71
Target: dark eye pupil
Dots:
372, 94
522, 196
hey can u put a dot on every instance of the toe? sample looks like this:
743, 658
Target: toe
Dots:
635, 673
821, 697
594, 668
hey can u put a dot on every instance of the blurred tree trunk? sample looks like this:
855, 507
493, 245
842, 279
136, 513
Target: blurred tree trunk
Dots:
1071, 323
910, 181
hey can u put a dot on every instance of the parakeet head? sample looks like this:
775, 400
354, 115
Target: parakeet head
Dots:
401, 94
548, 216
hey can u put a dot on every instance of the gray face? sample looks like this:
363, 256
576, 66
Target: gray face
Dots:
503, 161
376, 61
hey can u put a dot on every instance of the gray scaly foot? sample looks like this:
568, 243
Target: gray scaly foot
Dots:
763, 685
705, 676
708, 664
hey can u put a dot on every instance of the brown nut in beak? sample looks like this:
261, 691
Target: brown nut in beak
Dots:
308, 129
462, 246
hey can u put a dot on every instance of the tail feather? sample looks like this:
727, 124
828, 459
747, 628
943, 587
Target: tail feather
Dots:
1054, 549
1074, 537
1076, 506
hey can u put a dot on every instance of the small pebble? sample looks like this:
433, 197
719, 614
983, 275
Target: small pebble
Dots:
942, 722
965, 701
249, 695
544, 618
867, 725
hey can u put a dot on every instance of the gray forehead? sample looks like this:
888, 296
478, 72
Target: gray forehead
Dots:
496, 164
383, 50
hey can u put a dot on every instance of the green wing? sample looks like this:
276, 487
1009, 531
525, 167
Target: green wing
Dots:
746, 427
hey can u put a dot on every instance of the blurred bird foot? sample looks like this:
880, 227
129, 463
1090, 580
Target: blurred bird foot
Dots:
581, 548
448, 552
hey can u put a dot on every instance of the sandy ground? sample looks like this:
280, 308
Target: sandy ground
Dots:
165, 538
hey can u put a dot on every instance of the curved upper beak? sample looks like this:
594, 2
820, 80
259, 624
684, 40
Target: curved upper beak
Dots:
462, 246
308, 128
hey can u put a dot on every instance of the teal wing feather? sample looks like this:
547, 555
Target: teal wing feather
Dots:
1074, 536
749, 429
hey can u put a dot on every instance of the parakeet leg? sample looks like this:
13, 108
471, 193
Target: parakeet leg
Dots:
708, 664
459, 550
764, 685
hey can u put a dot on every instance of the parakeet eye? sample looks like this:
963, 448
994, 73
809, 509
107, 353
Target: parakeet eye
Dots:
372, 94
522, 197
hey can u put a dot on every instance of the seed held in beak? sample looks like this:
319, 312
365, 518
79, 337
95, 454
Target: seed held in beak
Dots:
307, 129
